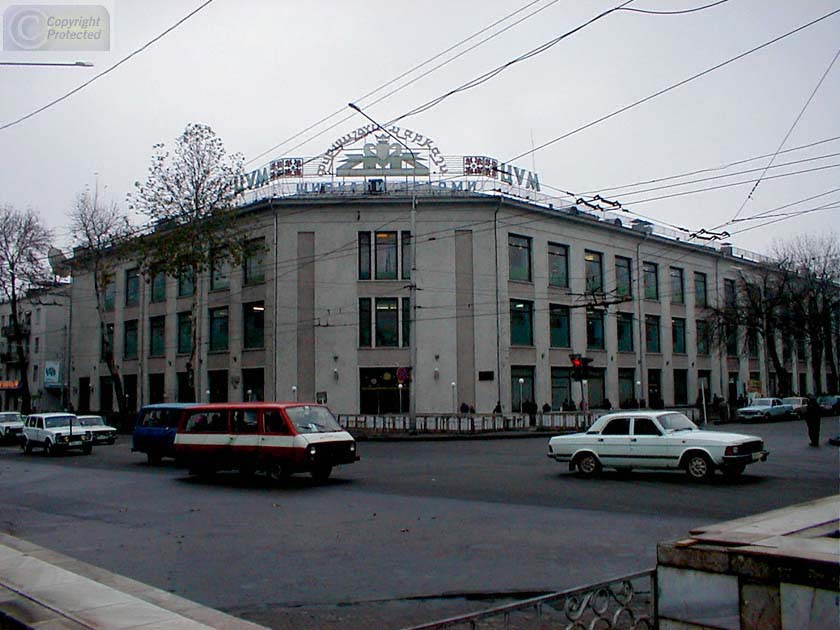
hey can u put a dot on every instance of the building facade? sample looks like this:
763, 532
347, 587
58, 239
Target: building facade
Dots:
44, 317
377, 301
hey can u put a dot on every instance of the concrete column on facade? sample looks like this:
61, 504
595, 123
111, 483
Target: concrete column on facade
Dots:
306, 316
464, 314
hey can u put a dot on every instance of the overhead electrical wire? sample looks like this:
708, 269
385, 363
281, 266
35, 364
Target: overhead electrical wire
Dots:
107, 70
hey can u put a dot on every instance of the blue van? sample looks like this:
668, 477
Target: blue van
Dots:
154, 433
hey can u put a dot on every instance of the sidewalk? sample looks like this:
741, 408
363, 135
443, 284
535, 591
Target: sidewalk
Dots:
43, 589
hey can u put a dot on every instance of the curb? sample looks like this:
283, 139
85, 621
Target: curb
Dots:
41, 588
452, 437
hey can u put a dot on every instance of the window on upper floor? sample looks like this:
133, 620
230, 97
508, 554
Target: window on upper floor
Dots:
678, 335
595, 329
521, 323
219, 273
623, 277
186, 283
652, 334
729, 295
185, 340
519, 257
650, 271
109, 295
253, 324
158, 292
701, 298
132, 287
594, 270
558, 265
106, 347
624, 325
219, 329
385, 248
558, 318
157, 336
253, 266
677, 286
130, 347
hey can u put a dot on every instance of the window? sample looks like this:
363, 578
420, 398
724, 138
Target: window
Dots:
752, 342
387, 332
677, 286
157, 336
365, 322
406, 322
35, 373
652, 333
184, 332
700, 297
253, 325
109, 296
561, 388
521, 323
186, 283
678, 335
521, 391
680, 387
253, 270
626, 387
619, 426
558, 318
650, 271
38, 340
624, 323
594, 269
405, 248
702, 336
623, 277
731, 341
386, 255
132, 287
219, 274
655, 388
244, 421
595, 329
275, 423
364, 255
558, 265
158, 287
130, 346
219, 329
107, 342
157, 388
519, 255
729, 298
645, 426
217, 381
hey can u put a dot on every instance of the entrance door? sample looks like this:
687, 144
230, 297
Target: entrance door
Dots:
379, 391
84, 394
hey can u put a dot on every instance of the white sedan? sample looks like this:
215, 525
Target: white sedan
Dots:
655, 439
101, 432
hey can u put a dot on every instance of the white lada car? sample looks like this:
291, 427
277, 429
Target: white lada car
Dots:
655, 439
55, 432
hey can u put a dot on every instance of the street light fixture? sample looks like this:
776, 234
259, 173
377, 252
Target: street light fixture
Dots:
521, 383
294, 392
454, 405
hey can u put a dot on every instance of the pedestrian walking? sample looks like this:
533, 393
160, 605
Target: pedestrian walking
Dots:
812, 418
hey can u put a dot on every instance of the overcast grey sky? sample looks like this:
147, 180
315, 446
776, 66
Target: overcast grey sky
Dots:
259, 71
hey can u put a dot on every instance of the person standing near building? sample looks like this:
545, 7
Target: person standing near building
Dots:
812, 418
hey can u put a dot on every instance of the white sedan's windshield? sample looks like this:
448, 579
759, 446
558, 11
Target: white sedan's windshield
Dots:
312, 419
676, 422
762, 402
59, 421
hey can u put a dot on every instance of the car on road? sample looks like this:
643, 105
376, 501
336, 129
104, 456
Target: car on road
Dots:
55, 432
798, 404
829, 405
655, 440
764, 409
101, 432
279, 439
11, 426
154, 433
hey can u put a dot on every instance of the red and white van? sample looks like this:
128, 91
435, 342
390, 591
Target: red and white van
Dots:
276, 438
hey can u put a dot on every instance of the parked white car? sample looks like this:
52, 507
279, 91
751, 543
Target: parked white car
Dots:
798, 404
11, 426
658, 440
101, 432
765, 409
55, 432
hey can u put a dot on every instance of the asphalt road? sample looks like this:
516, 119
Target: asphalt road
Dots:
414, 532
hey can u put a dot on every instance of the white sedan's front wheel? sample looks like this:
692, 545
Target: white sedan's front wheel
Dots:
699, 467
588, 465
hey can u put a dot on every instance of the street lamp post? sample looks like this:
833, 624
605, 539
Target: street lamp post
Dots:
294, 393
400, 387
454, 404
521, 383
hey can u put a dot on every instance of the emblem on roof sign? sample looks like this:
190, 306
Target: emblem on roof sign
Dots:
386, 157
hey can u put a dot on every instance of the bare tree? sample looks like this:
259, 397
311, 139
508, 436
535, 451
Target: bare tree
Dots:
815, 299
761, 307
100, 231
190, 196
24, 243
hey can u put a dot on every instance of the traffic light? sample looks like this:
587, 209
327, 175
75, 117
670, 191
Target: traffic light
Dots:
577, 367
580, 367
